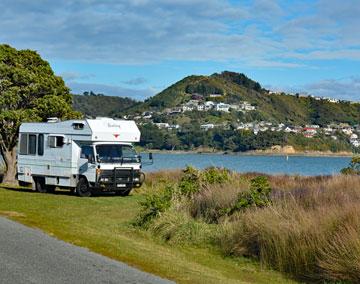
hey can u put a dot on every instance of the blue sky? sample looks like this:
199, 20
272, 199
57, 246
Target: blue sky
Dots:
137, 48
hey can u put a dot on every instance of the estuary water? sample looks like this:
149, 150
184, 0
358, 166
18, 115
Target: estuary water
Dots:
294, 165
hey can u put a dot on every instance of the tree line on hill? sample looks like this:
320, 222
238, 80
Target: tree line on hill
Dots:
191, 137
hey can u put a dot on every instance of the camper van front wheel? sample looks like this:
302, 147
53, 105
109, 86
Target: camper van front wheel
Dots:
82, 188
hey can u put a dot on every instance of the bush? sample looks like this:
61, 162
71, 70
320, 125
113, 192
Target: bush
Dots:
354, 167
258, 196
155, 204
190, 182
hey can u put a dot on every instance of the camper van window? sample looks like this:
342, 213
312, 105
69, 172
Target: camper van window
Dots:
41, 144
59, 141
78, 125
113, 153
56, 141
32, 144
87, 152
23, 144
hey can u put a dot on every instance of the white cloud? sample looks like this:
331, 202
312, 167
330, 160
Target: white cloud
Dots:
347, 88
143, 31
135, 81
344, 88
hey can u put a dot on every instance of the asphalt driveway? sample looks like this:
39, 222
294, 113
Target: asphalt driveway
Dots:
30, 256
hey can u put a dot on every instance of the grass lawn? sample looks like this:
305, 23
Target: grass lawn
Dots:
103, 224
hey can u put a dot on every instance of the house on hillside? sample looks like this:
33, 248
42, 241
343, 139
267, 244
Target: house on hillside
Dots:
162, 125
147, 114
209, 105
356, 143
309, 132
207, 126
197, 97
176, 110
222, 107
215, 95
201, 107
174, 126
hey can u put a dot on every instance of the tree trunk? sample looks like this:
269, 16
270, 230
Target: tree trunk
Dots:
10, 173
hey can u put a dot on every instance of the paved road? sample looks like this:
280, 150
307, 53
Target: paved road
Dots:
30, 256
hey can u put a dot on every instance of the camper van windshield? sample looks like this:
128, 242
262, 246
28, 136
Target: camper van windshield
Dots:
112, 153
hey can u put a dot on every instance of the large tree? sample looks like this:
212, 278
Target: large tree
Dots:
29, 91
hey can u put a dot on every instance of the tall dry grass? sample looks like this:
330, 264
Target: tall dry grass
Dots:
311, 230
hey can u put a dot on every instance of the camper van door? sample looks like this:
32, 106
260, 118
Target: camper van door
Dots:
87, 163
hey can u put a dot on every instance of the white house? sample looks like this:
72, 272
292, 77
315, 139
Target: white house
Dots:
207, 126
162, 125
215, 95
209, 105
201, 107
356, 143
222, 107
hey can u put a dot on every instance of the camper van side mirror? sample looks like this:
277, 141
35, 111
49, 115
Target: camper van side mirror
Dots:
150, 156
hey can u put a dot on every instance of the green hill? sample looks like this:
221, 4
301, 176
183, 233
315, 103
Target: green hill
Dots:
92, 104
235, 87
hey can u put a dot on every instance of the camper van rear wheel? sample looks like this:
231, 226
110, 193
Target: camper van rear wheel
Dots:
40, 185
50, 188
82, 188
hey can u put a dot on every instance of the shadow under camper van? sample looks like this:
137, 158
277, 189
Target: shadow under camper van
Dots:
81, 155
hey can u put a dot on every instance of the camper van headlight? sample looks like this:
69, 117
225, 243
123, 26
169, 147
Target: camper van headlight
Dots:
136, 179
104, 179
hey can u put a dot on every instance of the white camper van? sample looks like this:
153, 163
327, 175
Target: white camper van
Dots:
82, 155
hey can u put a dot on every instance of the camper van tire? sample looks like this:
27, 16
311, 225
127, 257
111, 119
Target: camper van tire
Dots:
123, 193
82, 188
39, 184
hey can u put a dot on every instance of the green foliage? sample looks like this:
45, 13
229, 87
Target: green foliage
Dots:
240, 79
204, 88
190, 182
353, 168
257, 196
194, 180
214, 175
92, 104
29, 91
154, 205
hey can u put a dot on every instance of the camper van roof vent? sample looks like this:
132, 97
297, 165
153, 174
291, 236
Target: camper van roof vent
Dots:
53, 119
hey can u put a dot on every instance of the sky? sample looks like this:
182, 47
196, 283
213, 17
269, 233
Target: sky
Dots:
137, 48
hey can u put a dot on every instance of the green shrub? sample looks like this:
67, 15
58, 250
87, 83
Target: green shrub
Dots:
190, 182
155, 204
214, 175
257, 196
354, 167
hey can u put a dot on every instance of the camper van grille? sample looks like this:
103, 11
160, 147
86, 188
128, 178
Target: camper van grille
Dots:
118, 175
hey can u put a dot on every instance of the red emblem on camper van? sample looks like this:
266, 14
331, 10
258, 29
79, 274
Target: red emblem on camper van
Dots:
116, 135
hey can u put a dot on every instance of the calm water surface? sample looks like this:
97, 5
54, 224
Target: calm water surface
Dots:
241, 163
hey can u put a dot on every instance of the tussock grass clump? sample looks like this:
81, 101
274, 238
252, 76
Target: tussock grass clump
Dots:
306, 227
179, 228
311, 232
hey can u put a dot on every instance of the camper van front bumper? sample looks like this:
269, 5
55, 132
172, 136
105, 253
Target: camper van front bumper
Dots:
119, 179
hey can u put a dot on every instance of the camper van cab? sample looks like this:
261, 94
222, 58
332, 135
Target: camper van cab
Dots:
81, 155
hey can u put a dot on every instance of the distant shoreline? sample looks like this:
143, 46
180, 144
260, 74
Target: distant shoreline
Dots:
255, 153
